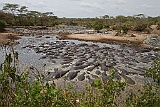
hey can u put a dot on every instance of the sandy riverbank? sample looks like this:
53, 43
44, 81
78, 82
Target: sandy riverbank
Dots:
109, 38
5, 38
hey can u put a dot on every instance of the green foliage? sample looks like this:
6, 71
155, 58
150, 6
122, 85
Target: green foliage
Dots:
150, 95
54, 23
18, 90
8, 80
122, 28
103, 94
2, 25
140, 25
125, 28
154, 71
98, 26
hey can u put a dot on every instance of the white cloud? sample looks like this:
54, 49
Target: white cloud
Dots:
90, 8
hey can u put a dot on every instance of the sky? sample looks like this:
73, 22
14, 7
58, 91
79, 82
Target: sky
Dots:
91, 8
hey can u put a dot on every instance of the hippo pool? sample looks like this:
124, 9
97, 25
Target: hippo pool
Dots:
80, 61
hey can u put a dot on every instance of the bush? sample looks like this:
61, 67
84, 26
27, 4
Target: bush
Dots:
141, 27
17, 90
150, 95
98, 26
2, 25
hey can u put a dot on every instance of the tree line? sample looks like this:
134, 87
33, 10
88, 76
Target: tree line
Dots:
138, 22
16, 15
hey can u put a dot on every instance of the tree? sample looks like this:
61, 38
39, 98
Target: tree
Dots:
2, 25
11, 8
22, 13
2, 14
98, 26
140, 16
34, 14
140, 24
105, 17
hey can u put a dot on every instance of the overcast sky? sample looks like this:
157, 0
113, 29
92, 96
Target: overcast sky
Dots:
91, 8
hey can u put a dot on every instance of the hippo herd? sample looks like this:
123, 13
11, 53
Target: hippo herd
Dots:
86, 62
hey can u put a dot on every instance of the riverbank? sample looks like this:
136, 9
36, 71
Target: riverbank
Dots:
151, 41
139, 39
5, 38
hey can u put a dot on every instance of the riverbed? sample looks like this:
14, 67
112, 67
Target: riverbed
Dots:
83, 62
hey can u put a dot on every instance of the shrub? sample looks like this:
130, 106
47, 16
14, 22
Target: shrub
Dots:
150, 95
98, 26
17, 89
154, 71
2, 25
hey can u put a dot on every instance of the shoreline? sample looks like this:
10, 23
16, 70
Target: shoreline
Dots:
137, 40
7, 37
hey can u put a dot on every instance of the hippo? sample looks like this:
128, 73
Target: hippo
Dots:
81, 77
72, 75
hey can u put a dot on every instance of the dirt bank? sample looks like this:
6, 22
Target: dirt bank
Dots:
109, 38
5, 38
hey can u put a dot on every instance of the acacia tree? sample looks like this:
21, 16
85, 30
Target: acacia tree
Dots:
46, 17
22, 13
11, 8
33, 14
105, 17
2, 25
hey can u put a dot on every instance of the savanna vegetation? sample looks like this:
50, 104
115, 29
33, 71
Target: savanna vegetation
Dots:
23, 89
16, 15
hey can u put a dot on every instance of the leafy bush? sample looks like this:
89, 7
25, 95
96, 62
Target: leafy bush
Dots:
2, 25
150, 95
17, 90
103, 94
121, 28
154, 71
98, 26
140, 25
